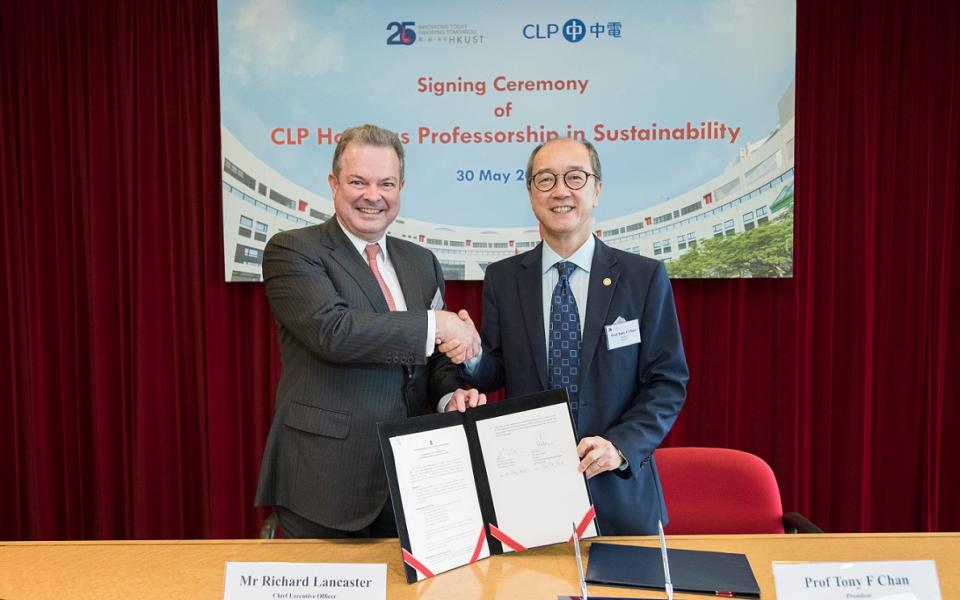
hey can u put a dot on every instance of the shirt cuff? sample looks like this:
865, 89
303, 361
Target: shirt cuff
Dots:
625, 464
444, 401
470, 365
431, 332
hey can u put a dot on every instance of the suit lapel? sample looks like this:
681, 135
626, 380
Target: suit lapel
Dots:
530, 291
344, 252
403, 265
604, 267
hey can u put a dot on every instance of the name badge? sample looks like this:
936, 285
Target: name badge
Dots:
623, 333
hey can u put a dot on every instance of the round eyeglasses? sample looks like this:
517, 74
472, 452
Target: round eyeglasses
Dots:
574, 179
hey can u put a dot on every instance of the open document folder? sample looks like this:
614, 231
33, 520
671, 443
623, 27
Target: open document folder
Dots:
497, 478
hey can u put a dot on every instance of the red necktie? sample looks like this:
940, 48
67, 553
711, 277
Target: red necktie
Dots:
371, 251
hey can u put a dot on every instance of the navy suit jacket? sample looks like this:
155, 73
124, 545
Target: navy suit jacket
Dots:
630, 395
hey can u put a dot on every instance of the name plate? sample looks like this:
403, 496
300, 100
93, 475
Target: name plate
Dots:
891, 580
314, 581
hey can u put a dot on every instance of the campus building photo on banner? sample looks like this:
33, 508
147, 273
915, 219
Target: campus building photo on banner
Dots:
690, 106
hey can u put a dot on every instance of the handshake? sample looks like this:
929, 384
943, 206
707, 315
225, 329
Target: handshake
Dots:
457, 336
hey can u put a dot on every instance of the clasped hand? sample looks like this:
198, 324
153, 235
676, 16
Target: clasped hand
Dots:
457, 336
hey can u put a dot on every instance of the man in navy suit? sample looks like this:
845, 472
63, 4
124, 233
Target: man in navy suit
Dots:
624, 367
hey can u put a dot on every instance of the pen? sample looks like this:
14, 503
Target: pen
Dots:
576, 549
667, 584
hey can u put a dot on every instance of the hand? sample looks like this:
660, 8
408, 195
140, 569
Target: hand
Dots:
453, 348
597, 455
457, 336
464, 399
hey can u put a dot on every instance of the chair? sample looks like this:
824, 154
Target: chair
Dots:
270, 528
720, 490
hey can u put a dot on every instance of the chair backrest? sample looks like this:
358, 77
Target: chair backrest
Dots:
719, 490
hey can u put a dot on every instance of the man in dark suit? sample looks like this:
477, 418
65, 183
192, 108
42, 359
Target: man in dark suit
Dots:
623, 368
358, 315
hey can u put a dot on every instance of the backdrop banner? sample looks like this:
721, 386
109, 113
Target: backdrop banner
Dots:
690, 106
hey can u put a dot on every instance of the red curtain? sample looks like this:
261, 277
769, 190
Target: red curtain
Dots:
136, 386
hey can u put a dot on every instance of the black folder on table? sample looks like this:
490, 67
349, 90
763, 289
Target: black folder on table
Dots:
693, 571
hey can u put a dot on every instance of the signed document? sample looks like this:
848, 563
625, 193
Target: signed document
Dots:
531, 462
498, 478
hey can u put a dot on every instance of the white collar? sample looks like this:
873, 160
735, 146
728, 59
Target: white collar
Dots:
583, 257
361, 244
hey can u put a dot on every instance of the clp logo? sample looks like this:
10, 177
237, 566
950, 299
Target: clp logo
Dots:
574, 30
403, 33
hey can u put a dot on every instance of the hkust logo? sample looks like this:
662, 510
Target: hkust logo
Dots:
573, 30
402, 33
405, 33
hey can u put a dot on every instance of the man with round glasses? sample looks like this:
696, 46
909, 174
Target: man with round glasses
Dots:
599, 322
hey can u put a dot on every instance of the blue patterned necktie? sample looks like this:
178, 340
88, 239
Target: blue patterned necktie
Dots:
563, 362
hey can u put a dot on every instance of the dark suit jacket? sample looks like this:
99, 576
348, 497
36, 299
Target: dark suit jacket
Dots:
347, 363
630, 396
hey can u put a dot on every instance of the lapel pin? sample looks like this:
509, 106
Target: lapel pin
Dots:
607, 281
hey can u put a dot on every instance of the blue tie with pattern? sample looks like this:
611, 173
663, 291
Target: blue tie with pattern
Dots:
563, 362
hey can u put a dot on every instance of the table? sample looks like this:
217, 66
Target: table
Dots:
194, 569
